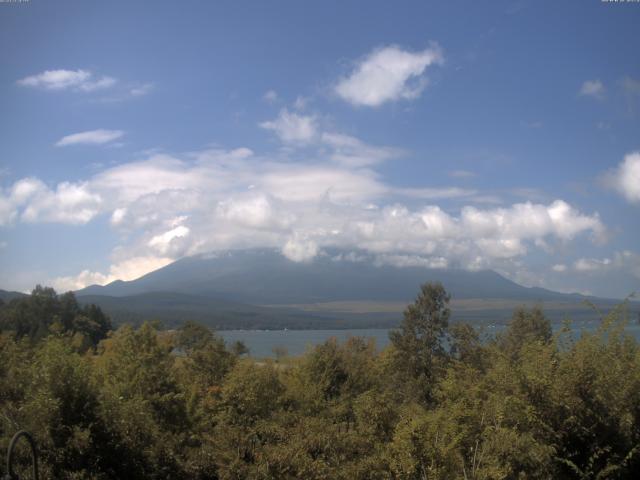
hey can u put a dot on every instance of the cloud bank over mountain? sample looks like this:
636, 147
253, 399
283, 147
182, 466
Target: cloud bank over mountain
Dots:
167, 206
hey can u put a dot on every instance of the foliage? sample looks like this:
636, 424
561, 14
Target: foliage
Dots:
43, 312
439, 403
418, 347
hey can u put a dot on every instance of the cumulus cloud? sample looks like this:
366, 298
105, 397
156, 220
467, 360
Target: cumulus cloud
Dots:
166, 207
82, 80
126, 270
91, 137
71, 203
118, 215
32, 201
388, 74
592, 88
255, 211
293, 127
162, 243
300, 249
625, 179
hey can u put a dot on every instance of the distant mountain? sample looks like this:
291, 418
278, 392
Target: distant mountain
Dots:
7, 296
261, 277
262, 289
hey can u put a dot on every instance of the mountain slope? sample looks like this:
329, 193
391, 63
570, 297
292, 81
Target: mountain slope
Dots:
266, 277
262, 289
7, 296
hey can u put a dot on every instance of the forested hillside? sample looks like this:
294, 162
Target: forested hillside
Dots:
438, 403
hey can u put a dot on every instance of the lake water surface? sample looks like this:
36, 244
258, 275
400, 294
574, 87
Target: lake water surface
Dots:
261, 343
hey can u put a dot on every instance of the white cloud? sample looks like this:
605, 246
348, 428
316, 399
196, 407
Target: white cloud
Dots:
91, 137
71, 203
24, 189
118, 216
7, 211
300, 102
20, 193
67, 79
412, 261
99, 84
559, 267
76, 282
233, 198
436, 193
592, 88
88, 82
567, 222
300, 250
388, 74
270, 96
591, 264
352, 152
344, 150
167, 207
292, 127
626, 261
32, 201
248, 210
162, 242
160, 173
529, 220
625, 179
126, 270
307, 183
141, 90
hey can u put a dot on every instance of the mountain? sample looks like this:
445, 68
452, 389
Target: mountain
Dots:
262, 289
266, 277
7, 296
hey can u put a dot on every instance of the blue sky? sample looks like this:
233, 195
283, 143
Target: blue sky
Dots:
499, 135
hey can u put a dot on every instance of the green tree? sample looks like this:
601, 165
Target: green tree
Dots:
466, 345
142, 403
44, 312
418, 344
526, 326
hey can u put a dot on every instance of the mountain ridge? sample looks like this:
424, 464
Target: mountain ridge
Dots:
261, 289
261, 276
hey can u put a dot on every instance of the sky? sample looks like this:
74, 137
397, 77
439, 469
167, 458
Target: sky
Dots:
501, 135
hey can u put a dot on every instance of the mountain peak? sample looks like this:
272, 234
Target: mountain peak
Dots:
265, 276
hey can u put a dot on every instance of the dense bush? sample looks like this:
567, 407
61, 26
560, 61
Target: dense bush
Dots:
439, 402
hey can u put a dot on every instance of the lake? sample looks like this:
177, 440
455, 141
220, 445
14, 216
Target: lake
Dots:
262, 342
